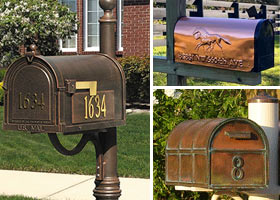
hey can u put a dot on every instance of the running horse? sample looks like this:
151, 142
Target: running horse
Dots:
210, 40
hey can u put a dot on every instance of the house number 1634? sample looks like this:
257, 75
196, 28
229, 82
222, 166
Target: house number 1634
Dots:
95, 103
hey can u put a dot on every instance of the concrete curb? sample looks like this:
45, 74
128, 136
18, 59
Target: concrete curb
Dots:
137, 111
54, 186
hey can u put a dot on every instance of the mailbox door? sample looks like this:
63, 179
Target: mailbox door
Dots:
92, 92
238, 157
238, 169
264, 46
30, 99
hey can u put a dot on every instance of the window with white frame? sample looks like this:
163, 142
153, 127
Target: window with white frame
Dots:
69, 45
120, 6
92, 14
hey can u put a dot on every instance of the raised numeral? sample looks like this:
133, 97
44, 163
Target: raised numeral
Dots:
103, 105
31, 101
97, 101
90, 107
86, 107
237, 172
20, 100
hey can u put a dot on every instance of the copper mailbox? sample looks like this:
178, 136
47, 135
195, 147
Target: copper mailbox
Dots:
64, 94
217, 154
233, 44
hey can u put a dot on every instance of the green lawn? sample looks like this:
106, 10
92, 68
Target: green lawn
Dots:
23, 151
15, 198
270, 77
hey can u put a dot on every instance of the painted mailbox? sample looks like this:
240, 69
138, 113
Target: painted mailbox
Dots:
233, 44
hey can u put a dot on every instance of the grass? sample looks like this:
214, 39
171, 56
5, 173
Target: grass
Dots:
159, 37
15, 198
270, 77
159, 51
34, 152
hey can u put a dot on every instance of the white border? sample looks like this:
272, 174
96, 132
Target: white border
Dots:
85, 29
68, 49
151, 102
74, 50
119, 24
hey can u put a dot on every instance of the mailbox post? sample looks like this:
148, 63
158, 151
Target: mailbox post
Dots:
109, 187
73, 95
263, 109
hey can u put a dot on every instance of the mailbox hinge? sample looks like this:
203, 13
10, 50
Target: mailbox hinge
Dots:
99, 151
100, 168
70, 86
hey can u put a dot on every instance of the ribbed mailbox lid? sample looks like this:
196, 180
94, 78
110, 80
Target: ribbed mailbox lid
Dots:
217, 154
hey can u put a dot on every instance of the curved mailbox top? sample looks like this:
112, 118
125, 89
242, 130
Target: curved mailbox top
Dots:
64, 94
218, 154
73, 68
233, 44
216, 133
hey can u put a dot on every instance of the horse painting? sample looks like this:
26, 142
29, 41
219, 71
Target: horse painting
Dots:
210, 40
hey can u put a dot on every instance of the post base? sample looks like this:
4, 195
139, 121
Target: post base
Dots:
107, 189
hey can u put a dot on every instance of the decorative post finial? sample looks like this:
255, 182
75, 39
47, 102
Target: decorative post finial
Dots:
107, 28
107, 5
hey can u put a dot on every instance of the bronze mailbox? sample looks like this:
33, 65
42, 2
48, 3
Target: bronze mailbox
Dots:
217, 154
64, 94
233, 44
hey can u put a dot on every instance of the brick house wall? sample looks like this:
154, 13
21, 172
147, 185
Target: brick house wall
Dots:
135, 29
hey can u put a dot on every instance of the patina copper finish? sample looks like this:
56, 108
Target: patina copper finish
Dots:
64, 94
217, 154
234, 44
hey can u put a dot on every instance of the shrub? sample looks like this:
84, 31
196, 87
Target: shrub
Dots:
39, 22
1, 93
2, 74
137, 73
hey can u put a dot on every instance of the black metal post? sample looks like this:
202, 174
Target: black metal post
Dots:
199, 7
234, 5
174, 10
107, 28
